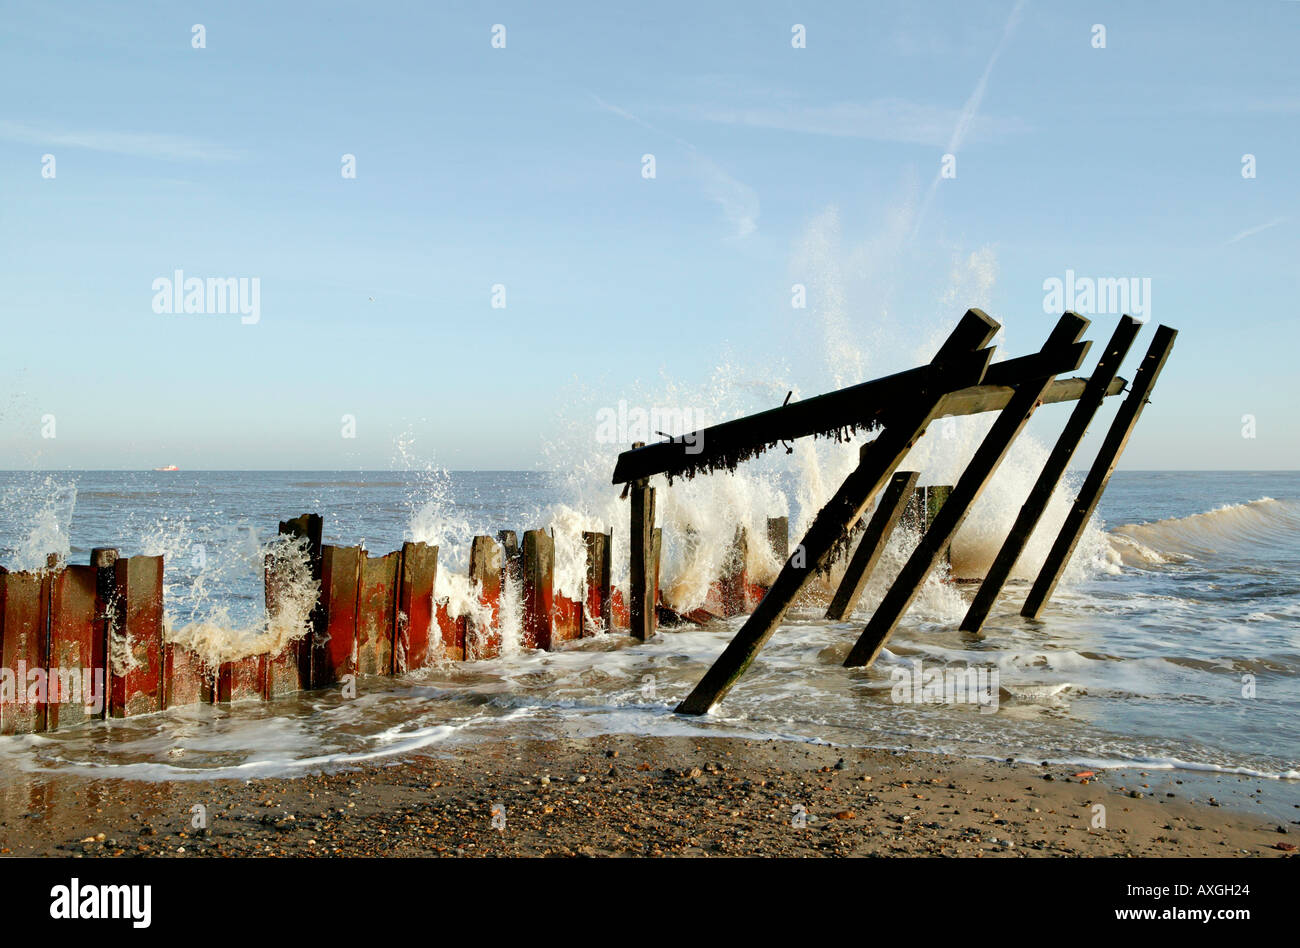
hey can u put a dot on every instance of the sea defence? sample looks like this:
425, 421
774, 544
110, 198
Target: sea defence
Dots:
85, 642
80, 642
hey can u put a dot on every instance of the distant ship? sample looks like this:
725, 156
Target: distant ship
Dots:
169, 467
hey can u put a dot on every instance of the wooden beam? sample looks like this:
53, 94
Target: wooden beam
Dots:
981, 398
874, 468
1055, 356
864, 406
1126, 419
865, 557
1041, 493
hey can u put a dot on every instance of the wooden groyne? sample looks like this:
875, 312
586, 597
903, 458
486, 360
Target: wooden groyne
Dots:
374, 615
80, 642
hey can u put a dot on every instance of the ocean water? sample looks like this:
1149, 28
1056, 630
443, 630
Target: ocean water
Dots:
1174, 641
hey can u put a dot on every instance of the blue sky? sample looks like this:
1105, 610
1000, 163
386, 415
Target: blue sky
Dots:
522, 166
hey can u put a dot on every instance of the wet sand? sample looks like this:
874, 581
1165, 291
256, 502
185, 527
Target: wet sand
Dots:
629, 796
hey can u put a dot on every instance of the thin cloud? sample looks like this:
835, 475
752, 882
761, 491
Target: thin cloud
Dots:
1252, 231
883, 120
138, 145
738, 201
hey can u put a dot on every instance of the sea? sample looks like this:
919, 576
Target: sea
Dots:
1173, 644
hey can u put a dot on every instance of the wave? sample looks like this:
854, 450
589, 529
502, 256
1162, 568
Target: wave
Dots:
1258, 525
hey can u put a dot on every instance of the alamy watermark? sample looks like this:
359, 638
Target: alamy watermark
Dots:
969, 684
38, 685
628, 425
1098, 296
213, 296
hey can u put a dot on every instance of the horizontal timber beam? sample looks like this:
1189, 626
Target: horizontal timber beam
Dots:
981, 398
865, 406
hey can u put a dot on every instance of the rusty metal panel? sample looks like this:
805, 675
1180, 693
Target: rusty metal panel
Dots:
279, 679
486, 559
24, 642
186, 680
416, 642
620, 615
334, 652
241, 680
452, 632
72, 649
568, 619
538, 588
282, 673
136, 637
377, 614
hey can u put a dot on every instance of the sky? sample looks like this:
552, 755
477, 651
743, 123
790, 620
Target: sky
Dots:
500, 157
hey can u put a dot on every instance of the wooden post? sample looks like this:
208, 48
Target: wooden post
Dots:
597, 610
483, 640
734, 575
136, 639
280, 678
24, 647
960, 362
509, 541
643, 587
1056, 356
1126, 419
865, 557
936, 495
1041, 493
377, 613
538, 588
416, 625
778, 537
102, 559
334, 654
71, 670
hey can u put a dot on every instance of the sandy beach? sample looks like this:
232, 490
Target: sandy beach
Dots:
629, 796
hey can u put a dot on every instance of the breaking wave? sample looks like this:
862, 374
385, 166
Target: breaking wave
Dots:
1258, 525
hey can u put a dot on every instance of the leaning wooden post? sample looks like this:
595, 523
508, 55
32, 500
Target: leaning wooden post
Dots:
642, 560
1059, 354
1130, 410
1041, 493
960, 362
865, 557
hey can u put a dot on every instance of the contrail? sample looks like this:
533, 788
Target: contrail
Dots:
971, 109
